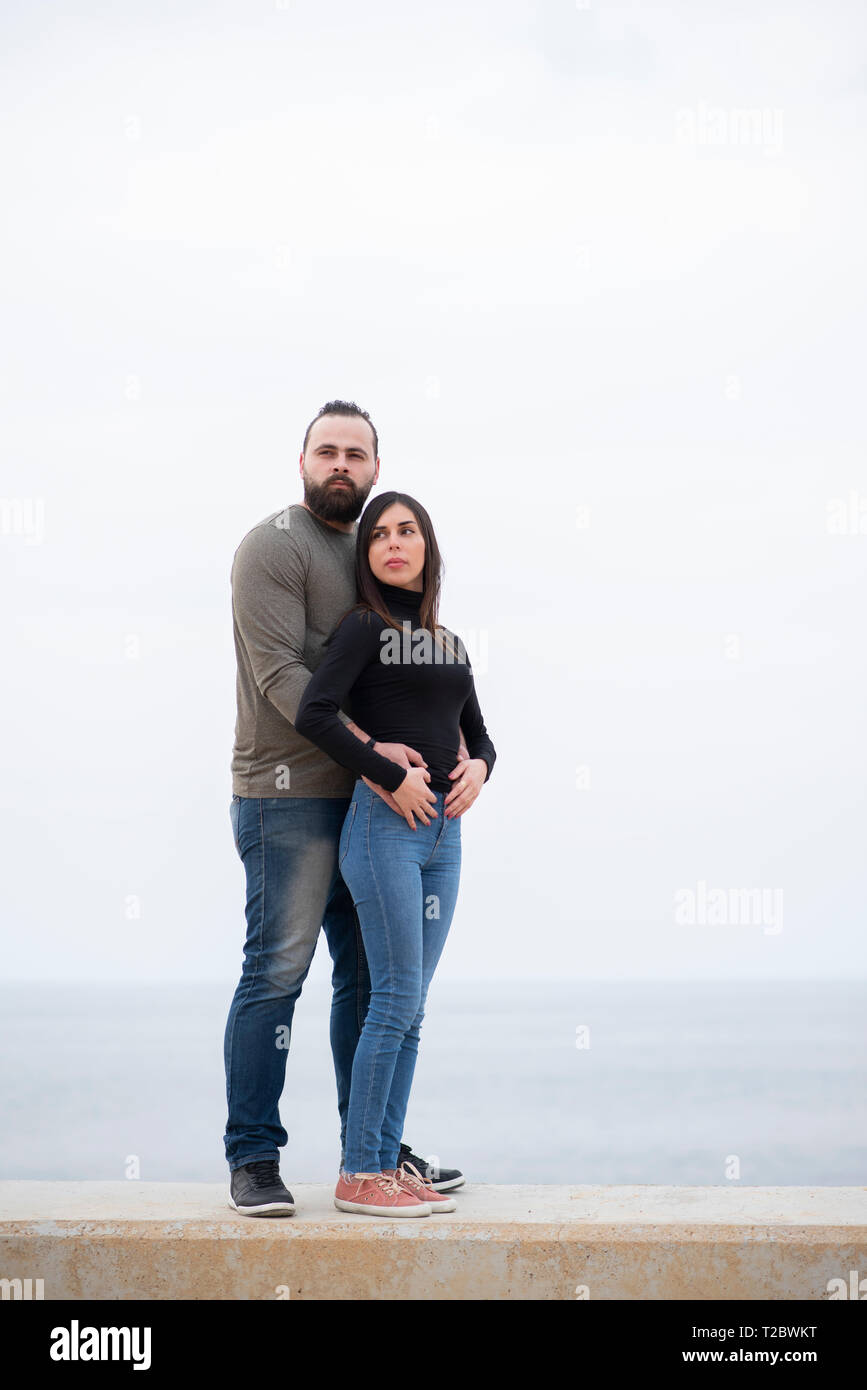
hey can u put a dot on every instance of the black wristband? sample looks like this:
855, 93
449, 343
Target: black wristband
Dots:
370, 742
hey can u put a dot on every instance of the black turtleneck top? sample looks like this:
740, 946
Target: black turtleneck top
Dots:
402, 688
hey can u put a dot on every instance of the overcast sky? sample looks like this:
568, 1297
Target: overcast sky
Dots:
597, 272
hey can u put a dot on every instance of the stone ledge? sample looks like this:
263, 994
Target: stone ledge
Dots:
140, 1240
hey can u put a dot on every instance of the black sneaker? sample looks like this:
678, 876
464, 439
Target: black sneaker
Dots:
257, 1190
440, 1179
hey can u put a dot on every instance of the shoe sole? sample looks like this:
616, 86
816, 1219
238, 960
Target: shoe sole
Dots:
435, 1203
267, 1209
448, 1185
423, 1209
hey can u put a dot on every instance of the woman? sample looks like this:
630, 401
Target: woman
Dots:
407, 680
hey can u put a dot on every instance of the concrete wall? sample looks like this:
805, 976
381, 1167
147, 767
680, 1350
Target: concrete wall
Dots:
137, 1240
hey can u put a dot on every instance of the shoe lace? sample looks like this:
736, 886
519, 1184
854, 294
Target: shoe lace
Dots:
412, 1175
264, 1172
389, 1185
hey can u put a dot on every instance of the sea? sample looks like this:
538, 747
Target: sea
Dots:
564, 1081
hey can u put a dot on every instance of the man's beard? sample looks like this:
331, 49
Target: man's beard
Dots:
335, 503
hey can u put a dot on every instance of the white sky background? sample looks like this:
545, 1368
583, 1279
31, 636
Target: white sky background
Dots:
491, 228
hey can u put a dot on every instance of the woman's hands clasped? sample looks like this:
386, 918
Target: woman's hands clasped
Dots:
415, 798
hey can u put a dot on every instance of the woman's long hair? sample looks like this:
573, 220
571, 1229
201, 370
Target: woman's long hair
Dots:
366, 584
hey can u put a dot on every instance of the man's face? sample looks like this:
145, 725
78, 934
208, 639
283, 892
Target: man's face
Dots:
338, 468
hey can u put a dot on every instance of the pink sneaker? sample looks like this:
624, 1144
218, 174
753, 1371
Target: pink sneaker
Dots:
409, 1177
378, 1194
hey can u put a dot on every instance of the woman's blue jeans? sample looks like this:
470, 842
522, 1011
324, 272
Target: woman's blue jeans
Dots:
404, 884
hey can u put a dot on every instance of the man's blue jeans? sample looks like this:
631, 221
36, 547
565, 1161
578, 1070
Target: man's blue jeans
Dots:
404, 884
288, 846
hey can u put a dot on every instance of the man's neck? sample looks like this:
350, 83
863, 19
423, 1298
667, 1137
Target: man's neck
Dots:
337, 525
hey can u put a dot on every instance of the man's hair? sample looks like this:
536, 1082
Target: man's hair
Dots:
343, 408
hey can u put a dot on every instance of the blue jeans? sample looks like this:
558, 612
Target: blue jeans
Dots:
288, 846
404, 884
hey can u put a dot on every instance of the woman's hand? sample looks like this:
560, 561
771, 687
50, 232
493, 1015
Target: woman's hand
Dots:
404, 756
414, 796
469, 778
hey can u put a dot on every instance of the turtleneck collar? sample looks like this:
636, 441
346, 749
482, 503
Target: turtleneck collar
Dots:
395, 596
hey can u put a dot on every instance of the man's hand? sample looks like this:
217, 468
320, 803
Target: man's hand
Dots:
407, 757
469, 777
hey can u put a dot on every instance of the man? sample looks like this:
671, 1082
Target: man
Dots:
293, 578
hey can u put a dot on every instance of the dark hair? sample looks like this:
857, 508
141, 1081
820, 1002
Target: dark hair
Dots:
366, 583
342, 408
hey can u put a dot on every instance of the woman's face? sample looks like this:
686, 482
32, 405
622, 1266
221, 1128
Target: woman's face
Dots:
396, 552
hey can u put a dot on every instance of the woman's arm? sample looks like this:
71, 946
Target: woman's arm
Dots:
352, 646
469, 776
476, 736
